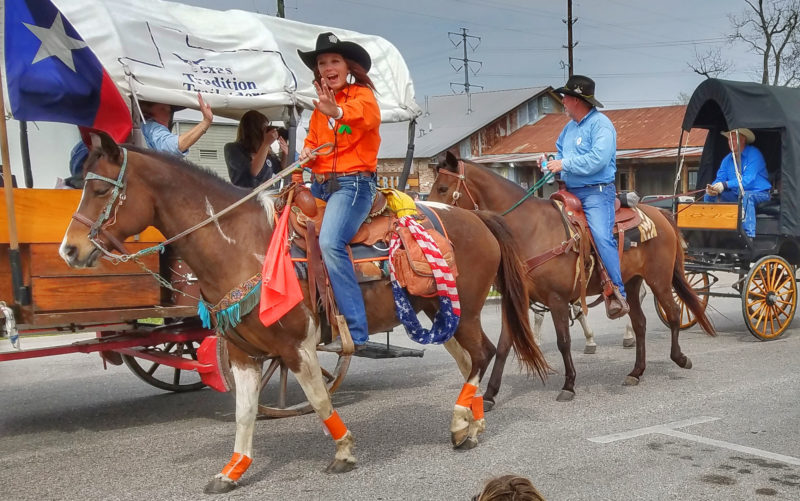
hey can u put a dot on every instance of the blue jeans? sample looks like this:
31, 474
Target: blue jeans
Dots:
749, 202
598, 204
347, 208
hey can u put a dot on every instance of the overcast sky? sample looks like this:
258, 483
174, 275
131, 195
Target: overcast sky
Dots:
636, 50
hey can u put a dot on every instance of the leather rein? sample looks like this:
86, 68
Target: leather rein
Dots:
459, 184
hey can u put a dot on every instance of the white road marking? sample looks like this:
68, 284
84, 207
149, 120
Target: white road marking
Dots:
669, 429
607, 439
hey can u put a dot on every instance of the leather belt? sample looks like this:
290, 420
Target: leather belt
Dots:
321, 178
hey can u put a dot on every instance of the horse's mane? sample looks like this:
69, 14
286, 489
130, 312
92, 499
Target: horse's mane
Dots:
504, 181
197, 171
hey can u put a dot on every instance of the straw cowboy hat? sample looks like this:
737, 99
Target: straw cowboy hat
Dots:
747, 133
581, 87
330, 43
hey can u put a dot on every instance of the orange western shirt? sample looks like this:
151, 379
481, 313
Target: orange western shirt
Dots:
355, 134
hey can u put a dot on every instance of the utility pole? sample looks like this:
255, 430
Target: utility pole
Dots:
280, 9
569, 22
465, 39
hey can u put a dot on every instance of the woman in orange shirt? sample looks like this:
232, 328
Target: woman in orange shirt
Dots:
346, 115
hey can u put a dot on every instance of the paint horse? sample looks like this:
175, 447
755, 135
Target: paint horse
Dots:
128, 189
537, 226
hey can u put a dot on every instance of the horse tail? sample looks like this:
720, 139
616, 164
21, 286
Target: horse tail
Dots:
511, 285
681, 285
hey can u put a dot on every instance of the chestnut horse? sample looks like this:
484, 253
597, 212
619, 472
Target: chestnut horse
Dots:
129, 189
537, 226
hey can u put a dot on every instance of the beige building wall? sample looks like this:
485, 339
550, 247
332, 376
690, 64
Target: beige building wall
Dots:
420, 178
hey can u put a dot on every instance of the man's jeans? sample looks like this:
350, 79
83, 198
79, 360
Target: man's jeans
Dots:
749, 202
347, 208
598, 204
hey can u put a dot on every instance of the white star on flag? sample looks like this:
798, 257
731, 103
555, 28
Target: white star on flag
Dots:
55, 42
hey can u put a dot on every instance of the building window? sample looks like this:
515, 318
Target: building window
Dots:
547, 104
692, 178
533, 111
522, 115
464, 149
208, 154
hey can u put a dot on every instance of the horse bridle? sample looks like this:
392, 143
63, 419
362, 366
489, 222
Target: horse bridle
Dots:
462, 181
99, 226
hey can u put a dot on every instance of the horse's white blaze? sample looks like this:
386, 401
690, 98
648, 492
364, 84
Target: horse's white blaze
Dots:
268, 202
460, 355
260, 257
436, 205
210, 212
248, 382
62, 249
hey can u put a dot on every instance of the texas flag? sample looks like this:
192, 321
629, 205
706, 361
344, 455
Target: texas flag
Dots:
54, 76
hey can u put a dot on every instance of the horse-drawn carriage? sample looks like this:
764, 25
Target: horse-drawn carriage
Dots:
765, 265
119, 300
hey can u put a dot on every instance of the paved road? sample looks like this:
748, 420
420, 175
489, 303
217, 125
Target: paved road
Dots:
727, 429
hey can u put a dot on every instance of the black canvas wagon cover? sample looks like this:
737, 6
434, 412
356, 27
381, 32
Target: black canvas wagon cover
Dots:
773, 113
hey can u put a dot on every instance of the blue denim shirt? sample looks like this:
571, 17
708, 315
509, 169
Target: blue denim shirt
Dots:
159, 138
754, 171
588, 150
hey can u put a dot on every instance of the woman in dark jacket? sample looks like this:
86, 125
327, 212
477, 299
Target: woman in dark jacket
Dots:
250, 159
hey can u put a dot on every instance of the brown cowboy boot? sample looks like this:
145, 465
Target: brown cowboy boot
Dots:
616, 305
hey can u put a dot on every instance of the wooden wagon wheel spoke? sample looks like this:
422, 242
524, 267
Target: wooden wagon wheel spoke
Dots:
169, 378
700, 283
769, 297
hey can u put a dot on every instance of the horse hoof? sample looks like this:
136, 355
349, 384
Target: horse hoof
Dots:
629, 343
488, 405
469, 443
565, 396
457, 438
219, 486
631, 381
590, 350
340, 466
688, 364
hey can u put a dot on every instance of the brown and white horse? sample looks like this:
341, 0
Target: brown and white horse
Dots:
537, 227
128, 189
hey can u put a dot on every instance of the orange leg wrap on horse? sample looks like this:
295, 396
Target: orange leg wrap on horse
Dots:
467, 394
477, 407
335, 426
238, 464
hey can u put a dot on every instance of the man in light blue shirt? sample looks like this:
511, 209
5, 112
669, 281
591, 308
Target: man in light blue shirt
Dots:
753, 171
586, 158
158, 118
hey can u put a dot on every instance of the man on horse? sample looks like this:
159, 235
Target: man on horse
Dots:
586, 158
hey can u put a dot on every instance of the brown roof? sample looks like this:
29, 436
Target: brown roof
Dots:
637, 129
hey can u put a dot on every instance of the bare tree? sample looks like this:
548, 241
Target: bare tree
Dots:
772, 31
682, 98
710, 64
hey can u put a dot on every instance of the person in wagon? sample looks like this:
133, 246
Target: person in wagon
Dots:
250, 159
158, 120
753, 171
586, 159
347, 115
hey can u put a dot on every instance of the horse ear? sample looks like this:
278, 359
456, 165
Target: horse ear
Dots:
450, 161
107, 144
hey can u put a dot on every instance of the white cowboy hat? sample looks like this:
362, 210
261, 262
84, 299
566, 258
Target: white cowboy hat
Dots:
747, 133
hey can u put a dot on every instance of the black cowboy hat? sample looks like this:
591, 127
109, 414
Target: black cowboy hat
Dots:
327, 43
581, 87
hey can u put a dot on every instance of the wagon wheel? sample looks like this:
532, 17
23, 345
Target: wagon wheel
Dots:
769, 297
700, 283
280, 399
165, 377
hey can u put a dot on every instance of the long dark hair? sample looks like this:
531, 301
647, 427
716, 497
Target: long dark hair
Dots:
251, 130
359, 74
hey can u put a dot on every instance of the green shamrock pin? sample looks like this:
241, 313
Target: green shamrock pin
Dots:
345, 129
